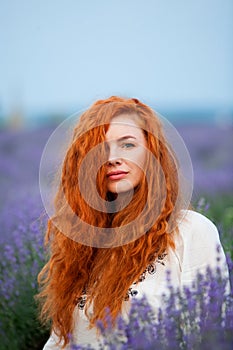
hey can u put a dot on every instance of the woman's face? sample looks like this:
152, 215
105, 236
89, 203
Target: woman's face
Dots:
127, 152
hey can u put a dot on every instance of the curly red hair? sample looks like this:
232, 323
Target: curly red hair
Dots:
106, 273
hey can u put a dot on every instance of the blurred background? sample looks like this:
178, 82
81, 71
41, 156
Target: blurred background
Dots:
58, 57
177, 56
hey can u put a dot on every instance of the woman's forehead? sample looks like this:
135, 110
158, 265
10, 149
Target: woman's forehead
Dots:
124, 125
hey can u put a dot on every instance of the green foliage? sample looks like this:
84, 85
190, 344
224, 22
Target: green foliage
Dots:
219, 209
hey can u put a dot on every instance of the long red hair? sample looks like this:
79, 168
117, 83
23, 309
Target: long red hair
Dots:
106, 273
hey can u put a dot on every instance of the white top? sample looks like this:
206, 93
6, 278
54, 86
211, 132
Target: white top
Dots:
195, 250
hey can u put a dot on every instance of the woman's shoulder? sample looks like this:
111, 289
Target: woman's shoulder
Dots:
198, 246
197, 238
194, 225
198, 243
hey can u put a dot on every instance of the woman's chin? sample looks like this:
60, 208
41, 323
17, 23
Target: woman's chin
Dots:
121, 187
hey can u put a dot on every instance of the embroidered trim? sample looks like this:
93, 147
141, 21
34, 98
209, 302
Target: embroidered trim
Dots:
131, 292
81, 301
151, 269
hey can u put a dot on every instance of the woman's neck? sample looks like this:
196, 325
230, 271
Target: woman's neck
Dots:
120, 200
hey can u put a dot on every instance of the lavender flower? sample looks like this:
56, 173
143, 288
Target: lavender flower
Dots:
196, 317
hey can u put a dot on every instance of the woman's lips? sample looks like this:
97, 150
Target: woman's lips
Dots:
116, 175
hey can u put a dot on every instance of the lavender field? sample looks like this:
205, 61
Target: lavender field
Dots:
23, 218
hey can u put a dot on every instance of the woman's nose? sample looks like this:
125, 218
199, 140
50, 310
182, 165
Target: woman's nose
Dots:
114, 157
114, 161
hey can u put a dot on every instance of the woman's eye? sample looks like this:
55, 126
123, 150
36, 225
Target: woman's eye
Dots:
128, 145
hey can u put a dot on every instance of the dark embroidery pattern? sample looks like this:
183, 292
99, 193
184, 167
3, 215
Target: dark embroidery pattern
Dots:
81, 301
131, 292
151, 269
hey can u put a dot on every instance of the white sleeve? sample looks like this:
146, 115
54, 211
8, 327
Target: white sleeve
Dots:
53, 343
200, 242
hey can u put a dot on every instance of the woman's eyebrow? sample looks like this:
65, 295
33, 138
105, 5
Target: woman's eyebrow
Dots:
126, 137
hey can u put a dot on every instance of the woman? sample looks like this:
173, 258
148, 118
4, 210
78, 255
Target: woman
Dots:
119, 223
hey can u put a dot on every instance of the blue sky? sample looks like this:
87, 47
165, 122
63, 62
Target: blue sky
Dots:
58, 56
